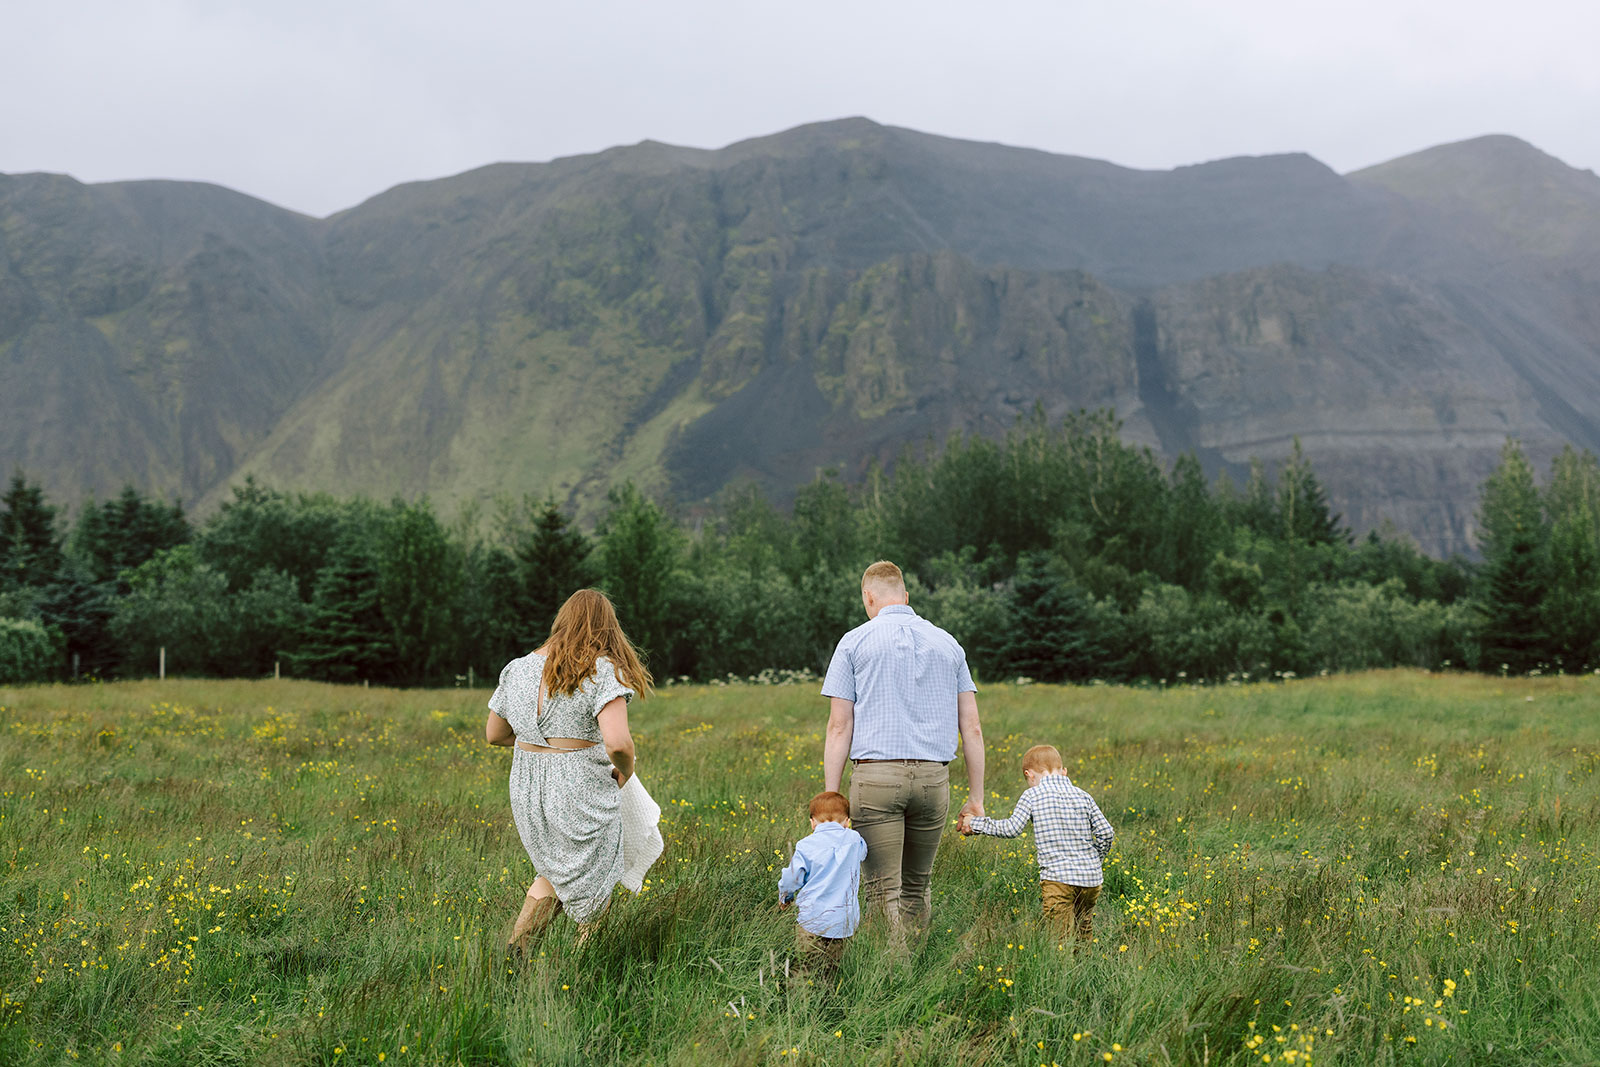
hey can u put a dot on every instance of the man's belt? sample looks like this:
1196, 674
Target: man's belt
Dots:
940, 762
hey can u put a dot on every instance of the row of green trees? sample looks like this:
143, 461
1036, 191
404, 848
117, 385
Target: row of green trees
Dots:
1060, 553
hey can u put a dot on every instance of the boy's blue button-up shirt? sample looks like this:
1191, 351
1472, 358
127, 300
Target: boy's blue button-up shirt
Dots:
826, 875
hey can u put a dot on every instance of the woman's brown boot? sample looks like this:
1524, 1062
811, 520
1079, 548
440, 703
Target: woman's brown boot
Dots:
531, 921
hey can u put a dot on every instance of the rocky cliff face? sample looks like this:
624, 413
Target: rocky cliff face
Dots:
819, 298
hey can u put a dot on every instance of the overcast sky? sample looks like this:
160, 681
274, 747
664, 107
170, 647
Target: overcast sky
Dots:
318, 104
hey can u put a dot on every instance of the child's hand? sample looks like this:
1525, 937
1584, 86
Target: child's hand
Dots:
782, 903
964, 823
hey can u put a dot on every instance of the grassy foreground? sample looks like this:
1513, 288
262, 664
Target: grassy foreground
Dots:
1385, 868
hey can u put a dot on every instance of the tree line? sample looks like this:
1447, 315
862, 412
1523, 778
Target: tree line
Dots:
1060, 553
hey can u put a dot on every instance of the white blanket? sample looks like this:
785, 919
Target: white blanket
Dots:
641, 833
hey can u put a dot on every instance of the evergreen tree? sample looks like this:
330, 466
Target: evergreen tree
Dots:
751, 535
1515, 541
30, 544
1572, 599
491, 609
640, 551
1303, 505
1053, 636
419, 573
122, 533
262, 528
1513, 634
81, 609
553, 560
346, 637
827, 527
1193, 529
1257, 509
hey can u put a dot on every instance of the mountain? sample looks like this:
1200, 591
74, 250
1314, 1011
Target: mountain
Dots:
817, 298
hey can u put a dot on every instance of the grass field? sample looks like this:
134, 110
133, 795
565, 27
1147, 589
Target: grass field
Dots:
1384, 868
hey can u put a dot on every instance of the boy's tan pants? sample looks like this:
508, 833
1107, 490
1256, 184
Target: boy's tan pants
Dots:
1070, 907
818, 952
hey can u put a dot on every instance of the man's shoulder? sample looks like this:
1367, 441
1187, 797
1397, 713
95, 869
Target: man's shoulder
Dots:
852, 636
938, 633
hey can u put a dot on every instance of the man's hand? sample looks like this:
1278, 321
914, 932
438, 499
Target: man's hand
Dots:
972, 809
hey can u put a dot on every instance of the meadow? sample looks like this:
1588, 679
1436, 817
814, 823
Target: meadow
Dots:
1393, 867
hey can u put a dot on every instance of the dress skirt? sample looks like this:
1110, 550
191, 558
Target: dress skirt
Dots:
565, 807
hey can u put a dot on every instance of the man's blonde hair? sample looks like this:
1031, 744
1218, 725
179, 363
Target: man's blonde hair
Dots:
884, 576
1041, 758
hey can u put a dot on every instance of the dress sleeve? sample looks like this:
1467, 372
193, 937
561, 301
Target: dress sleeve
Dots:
608, 686
497, 702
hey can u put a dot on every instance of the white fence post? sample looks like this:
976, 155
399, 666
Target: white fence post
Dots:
163, 667
275, 673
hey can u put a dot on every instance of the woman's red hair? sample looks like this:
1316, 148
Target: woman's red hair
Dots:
585, 629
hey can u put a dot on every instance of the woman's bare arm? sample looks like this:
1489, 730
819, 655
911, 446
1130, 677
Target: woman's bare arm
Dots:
613, 720
498, 732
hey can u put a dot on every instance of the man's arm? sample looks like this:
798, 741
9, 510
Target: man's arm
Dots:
971, 750
836, 745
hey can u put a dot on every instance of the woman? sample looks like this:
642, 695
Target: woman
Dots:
556, 706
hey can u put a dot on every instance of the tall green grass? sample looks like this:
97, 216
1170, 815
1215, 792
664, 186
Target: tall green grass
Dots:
1382, 868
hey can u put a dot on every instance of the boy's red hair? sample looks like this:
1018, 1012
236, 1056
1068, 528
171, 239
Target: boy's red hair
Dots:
830, 807
1041, 758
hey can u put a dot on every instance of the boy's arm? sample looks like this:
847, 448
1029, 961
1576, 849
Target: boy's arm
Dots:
793, 878
1100, 827
1011, 827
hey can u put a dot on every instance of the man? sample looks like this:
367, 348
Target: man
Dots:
900, 694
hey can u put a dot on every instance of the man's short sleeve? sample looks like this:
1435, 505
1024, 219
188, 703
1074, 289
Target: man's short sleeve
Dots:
841, 679
964, 682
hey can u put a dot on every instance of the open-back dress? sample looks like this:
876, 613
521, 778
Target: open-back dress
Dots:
564, 803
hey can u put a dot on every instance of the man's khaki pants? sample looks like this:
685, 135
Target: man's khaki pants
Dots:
899, 808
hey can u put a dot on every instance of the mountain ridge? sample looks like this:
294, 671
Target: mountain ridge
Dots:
815, 298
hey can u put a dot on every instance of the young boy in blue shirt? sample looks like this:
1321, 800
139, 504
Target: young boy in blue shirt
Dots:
825, 875
1070, 836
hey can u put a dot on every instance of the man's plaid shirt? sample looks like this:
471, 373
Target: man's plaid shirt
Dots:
1070, 834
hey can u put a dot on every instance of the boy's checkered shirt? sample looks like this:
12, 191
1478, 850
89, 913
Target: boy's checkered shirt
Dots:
1070, 834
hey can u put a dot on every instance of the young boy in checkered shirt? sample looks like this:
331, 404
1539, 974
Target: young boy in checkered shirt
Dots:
1070, 835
